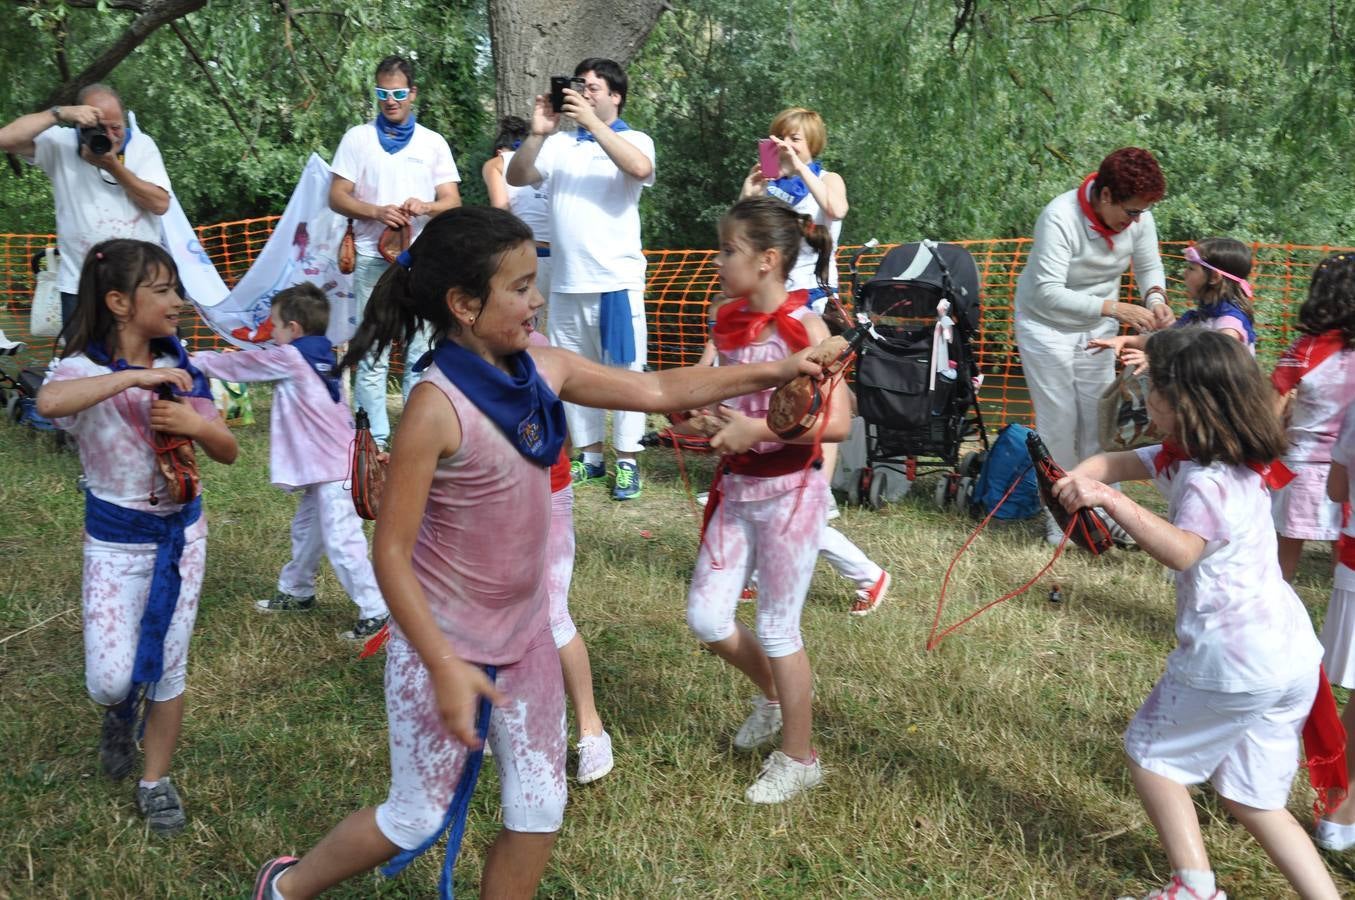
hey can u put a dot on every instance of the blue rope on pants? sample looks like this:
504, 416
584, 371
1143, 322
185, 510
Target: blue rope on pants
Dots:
456, 810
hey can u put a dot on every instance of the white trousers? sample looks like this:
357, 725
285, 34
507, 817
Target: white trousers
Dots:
560, 565
326, 524
1065, 382
575, 325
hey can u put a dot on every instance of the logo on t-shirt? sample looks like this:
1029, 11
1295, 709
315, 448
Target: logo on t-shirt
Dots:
529, 434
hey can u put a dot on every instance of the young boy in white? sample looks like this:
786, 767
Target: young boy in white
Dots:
310, 433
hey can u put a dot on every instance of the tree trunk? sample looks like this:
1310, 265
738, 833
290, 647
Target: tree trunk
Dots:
535, 39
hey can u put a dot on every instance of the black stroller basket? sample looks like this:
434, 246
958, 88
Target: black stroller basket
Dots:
917, 398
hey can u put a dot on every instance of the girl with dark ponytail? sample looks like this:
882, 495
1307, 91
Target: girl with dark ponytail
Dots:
460, 551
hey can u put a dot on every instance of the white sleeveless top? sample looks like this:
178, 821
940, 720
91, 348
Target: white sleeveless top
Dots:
530, 204
802, 275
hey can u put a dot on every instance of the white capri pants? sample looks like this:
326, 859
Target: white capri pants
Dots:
744, 535
560, 565
117, 582
326, 524
574, 325
1066, 381
526, 733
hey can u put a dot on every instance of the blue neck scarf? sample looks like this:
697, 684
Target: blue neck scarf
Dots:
618, 126
165, 346
393, 137
106, 521
792, 188
1218, 310
318, 352
522, 405
455, 819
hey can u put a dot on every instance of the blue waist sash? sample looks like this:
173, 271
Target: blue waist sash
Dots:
106, 521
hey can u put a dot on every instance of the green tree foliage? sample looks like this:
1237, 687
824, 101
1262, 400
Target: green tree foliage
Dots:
238, 94
963, 119
947, 118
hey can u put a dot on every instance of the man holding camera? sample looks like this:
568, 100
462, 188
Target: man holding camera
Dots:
595, 172
106, 181
390, 176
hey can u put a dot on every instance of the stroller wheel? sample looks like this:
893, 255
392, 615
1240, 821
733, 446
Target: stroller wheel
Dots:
964, 494
854, 488
941, 492
878, 483
12, 408
971, 464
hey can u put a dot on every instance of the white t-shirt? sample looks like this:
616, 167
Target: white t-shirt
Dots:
1343, 453
114, 437
1239, 625
802, 275
382, 178
88, 208
1324, 393
530, 203
1071, 270
595, 214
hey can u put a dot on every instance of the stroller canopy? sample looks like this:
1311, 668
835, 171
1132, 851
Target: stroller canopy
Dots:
947, 268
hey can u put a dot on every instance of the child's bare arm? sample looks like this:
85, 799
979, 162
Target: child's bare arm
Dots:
59, 399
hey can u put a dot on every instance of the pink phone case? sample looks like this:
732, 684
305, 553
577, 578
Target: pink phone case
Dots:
769, 155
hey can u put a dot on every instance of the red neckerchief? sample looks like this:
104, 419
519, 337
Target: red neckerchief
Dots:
738, 326
1085, 205
1274, 474
1306, 354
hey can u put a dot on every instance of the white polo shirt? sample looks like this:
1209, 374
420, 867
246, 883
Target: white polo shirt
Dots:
382, 178
595, 214
91, 206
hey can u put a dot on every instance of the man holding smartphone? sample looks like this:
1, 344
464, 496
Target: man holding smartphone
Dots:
106, 181
595, 173
390, 173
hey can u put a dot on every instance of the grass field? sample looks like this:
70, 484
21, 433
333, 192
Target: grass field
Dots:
988, 768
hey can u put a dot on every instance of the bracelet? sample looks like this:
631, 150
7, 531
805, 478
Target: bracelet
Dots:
56, 114
1155, 296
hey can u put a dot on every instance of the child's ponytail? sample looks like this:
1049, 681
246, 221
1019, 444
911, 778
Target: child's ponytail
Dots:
459, 249
820, 240
390, 315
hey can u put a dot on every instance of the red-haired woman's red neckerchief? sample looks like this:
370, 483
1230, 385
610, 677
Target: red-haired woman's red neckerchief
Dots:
1307, 353
1085, 205
1274, 474
738, 326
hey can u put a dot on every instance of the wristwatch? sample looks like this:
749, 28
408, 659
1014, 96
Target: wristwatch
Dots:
56, 114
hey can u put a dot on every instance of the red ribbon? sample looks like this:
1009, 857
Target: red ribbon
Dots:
1274, 474
1085, 205
1324, 749
738, 326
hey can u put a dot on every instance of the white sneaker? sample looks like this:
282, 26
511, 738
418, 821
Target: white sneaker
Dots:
833, 511
702, 499
760, 727
1331, 836
1053, 533
782, 778
1176, 890
1117, 534
595, 757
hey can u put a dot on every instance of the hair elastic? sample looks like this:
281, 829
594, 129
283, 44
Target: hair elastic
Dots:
404, 260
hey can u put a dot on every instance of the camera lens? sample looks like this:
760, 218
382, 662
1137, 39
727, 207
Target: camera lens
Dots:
96, 139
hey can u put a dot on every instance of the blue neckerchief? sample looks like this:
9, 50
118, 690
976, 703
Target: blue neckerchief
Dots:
456, 810
165, 346
393, 137
615, 328
583, 134
318, 352
106, 521
522, 405
792, 188
516, 144
1217, 311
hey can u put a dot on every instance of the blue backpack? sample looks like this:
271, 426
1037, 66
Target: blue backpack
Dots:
1007, 460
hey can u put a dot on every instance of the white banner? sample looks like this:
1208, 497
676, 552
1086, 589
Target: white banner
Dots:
303, 247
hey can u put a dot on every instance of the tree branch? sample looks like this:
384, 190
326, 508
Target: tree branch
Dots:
211, 80
154, 13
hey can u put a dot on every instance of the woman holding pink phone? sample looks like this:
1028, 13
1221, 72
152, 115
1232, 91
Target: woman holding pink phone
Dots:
798, 136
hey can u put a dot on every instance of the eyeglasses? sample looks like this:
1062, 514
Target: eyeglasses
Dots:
1193, 256
399, 95
1135, 213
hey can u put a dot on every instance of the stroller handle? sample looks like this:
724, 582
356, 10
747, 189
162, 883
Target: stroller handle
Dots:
856, 261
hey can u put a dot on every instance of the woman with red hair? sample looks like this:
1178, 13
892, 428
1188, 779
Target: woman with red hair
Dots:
1068, 294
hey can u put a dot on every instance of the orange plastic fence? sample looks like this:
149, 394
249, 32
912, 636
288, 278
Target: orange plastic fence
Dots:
680, 283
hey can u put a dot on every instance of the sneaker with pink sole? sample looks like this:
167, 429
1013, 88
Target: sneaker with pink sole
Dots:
1176, 890
868, 599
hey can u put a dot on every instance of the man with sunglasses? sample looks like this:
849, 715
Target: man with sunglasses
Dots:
390, 175
120, 192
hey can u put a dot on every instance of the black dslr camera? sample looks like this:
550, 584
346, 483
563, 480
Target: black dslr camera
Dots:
96, 138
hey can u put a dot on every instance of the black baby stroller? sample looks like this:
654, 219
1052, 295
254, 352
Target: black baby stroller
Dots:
916, 382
